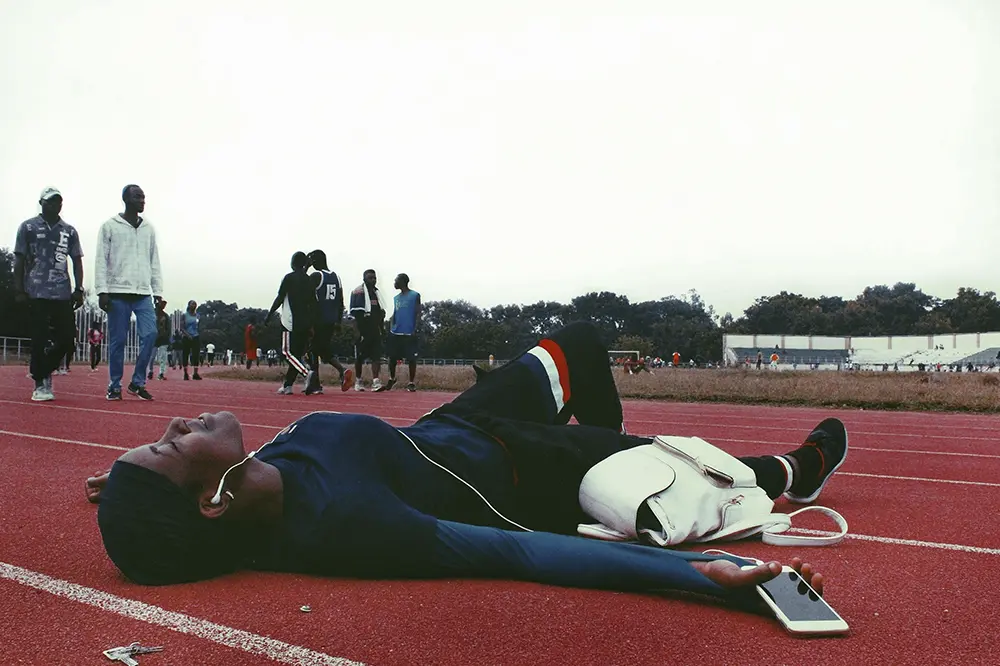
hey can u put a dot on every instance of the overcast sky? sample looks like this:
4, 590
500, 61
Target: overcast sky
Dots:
522, 152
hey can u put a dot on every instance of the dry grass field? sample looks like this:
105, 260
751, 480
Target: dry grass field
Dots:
978, 392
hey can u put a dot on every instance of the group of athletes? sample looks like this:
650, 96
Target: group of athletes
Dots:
312, 313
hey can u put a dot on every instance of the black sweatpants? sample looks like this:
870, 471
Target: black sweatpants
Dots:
95, 356
513, 404
50, 319
192, 352
293, 346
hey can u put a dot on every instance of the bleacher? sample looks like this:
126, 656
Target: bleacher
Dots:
864, 358
804, 357
984, 357
904, 353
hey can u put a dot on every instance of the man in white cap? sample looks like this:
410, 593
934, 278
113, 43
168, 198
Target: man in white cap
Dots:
41, 278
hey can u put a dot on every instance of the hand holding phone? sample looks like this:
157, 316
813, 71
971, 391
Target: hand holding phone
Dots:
798, 607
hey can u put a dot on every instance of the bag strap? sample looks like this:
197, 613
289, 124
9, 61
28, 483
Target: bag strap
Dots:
775, 537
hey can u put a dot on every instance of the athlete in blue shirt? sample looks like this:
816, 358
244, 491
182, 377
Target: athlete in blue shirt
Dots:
403, 326
484, 486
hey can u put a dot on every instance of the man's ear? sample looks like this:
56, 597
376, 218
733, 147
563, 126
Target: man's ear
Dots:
210, 510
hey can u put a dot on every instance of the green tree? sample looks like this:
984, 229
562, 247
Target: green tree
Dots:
972, 312
607, 310
634, 343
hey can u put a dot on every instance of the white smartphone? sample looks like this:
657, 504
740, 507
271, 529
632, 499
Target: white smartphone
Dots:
797, 606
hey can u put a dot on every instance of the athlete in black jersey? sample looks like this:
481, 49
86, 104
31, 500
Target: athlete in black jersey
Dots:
329, 316
297, 300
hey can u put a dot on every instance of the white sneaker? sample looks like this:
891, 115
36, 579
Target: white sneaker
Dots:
285, 390
42, 394
376, 384
358, 386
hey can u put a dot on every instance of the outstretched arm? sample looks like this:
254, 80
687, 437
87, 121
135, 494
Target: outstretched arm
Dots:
278, 300
556, 559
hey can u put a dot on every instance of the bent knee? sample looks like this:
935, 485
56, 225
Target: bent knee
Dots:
583, 333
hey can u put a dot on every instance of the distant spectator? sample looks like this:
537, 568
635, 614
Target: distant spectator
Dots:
192, 340
162, 341
94, 338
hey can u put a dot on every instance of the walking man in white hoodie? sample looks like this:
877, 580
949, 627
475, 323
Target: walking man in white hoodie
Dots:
128, 279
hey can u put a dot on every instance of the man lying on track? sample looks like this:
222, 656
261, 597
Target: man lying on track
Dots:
350, 495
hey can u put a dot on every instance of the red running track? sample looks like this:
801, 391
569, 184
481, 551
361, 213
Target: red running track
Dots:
915, 580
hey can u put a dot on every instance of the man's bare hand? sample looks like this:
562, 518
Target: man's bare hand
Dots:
104, 301
730, 576
95, 484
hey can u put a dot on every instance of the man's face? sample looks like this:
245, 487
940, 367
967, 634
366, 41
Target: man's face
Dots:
193, 451
52, 206
135, 198
370, 278
398, 283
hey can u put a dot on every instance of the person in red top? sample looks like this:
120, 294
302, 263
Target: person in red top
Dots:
95, 337
250, 342
677, 359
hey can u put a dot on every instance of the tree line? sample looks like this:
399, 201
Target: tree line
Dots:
683, 324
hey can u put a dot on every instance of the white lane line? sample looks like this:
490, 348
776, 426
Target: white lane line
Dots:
64, 441
121, 412
858, 448
630, 422
408, 421
919, 478
870, 476
905, 542
279, 651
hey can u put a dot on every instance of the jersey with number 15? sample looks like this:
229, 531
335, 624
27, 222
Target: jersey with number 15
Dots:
330, 296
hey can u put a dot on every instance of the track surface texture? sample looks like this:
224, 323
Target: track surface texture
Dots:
916, 579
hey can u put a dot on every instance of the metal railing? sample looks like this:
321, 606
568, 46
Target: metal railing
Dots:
14, 349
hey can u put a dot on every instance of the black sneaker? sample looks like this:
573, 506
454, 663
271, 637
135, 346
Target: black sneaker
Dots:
313, 386
139, 392
411, 387
389, 384
830, 440
114, 394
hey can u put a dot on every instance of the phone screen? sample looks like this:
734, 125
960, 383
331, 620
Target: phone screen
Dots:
796, 599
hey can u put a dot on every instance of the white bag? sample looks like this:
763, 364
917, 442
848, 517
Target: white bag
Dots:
696, 492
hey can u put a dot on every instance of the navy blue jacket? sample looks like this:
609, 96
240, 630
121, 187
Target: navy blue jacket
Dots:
361, 500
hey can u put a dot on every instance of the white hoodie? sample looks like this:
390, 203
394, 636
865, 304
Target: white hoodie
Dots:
127, 260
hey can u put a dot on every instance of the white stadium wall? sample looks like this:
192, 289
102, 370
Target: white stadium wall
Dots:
871, 351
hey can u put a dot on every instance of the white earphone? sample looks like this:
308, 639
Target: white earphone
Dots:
217, 498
